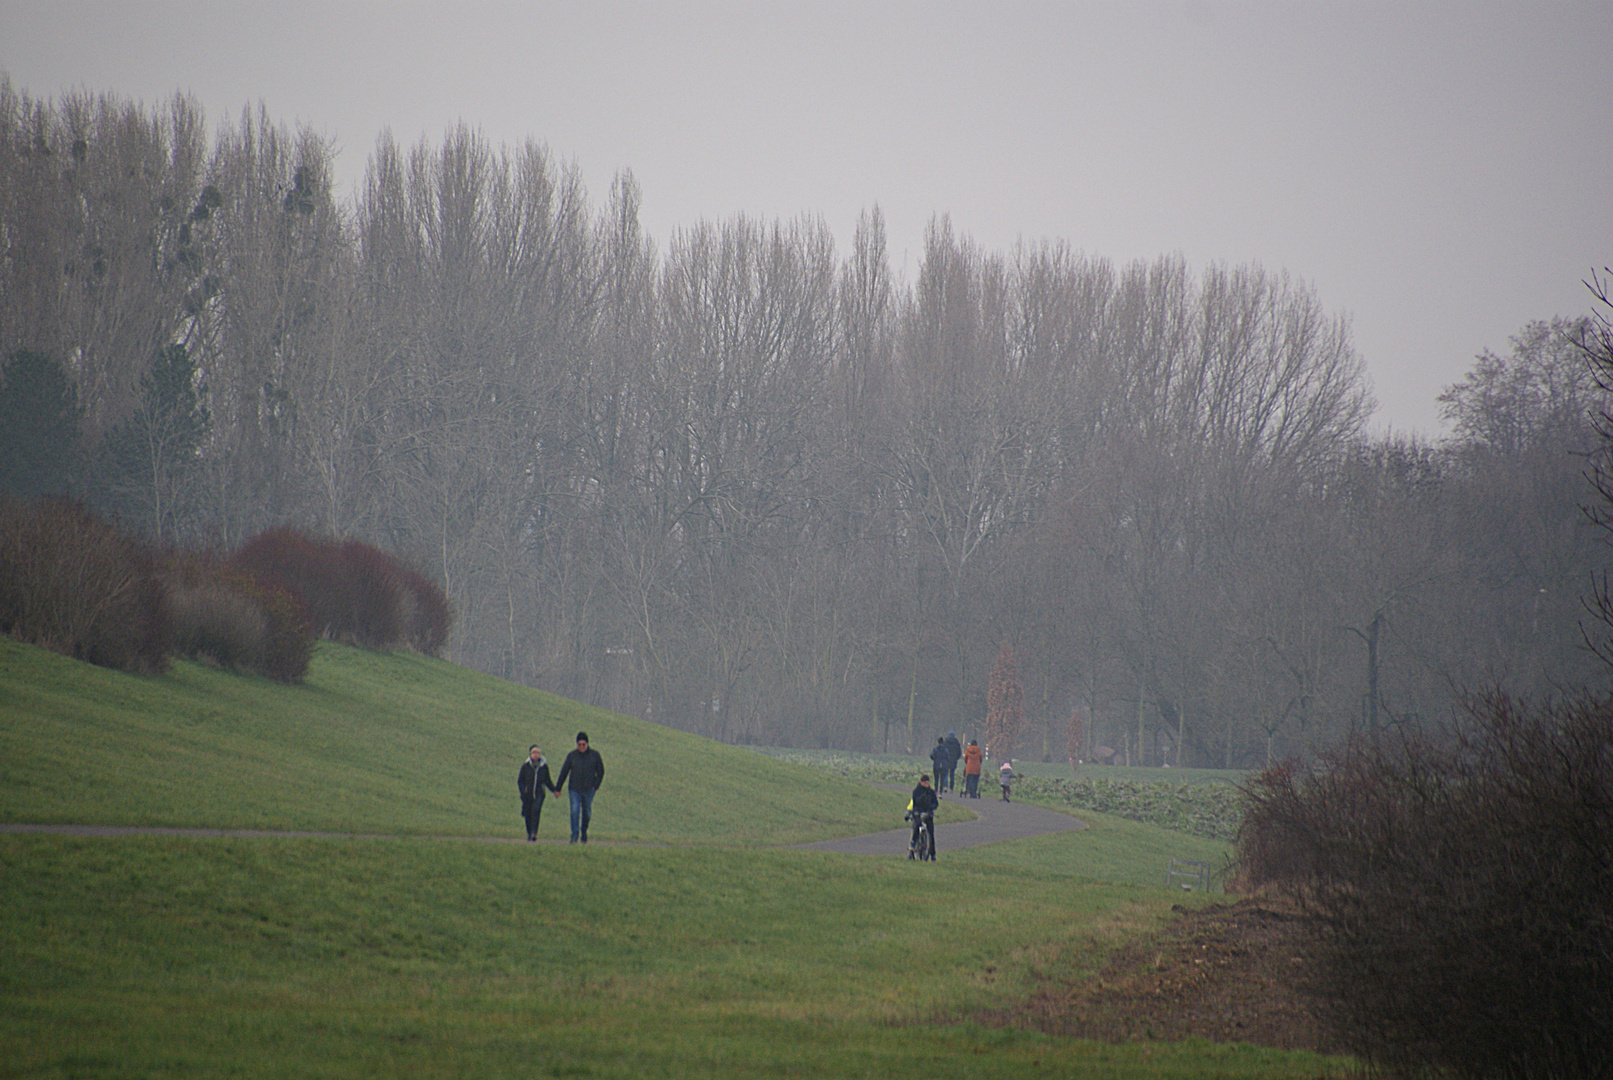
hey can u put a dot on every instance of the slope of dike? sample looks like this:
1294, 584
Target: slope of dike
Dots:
372, 742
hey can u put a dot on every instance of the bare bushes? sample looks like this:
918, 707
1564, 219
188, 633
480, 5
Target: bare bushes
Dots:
221, 614
1458, 898
210, 618
75, 585
428, 618
355, 592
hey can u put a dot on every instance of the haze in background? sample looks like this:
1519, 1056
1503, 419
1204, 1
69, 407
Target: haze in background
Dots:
1441, 171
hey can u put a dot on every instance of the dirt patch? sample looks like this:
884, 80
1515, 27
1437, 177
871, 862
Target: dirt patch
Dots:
1224, 973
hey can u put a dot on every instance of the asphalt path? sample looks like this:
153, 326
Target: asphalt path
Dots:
994, 820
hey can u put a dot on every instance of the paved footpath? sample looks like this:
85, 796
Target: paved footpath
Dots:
996, 820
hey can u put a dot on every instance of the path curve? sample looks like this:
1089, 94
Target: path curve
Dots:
995, 820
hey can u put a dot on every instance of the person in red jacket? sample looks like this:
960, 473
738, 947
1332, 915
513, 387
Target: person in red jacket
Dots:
972, 757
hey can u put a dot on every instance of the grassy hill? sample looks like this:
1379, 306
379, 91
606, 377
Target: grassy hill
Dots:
377, 742
692, 955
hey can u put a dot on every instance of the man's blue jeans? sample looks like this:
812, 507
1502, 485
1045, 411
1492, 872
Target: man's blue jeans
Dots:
582, 809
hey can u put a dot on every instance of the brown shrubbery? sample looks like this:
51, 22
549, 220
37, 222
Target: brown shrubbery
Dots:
221, 614
73, 584
211, 619
428, 618
1458, 898
355, 592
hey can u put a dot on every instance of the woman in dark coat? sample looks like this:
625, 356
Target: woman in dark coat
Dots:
531, 782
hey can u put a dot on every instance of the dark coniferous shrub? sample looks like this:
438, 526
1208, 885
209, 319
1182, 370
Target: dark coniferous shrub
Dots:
41, 447
1459, 898
74, 584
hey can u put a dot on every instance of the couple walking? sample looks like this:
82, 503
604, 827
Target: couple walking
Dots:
946, 755
583, 767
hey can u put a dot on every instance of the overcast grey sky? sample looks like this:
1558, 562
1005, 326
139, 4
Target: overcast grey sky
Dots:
1442, 172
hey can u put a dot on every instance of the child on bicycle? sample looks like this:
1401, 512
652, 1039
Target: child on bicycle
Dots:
924, 802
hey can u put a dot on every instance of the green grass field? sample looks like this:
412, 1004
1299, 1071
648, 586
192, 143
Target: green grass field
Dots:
377, 742
708, 950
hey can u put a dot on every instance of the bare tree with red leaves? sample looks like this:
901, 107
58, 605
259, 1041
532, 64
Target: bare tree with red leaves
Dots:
1077, 737
1005, 705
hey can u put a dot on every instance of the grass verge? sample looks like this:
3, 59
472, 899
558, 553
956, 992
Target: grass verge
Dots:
267, 958
1110, 850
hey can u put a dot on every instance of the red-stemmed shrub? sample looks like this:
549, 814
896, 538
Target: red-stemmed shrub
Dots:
74, 584
1005, 706
300, 564
355, 592
1281, 836
368, 606
1075, 739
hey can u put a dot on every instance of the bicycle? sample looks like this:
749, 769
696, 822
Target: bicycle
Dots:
923, 847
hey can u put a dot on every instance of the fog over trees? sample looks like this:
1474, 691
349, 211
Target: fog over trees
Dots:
760, 489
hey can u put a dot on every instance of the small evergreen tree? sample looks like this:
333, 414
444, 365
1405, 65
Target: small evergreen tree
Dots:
149, 456
40, 437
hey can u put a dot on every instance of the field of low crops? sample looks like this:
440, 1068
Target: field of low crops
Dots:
1198, 802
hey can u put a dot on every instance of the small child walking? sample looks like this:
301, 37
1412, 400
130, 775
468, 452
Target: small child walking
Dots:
1005, 773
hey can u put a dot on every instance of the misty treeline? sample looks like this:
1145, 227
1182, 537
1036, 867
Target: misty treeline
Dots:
1450, 886
764, 490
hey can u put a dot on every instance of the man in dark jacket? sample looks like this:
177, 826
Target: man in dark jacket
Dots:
924, 802
587, 771
531, 783
941, 757
955, 748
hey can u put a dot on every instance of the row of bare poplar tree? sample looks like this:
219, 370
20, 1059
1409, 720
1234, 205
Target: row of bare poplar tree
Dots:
759, 489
